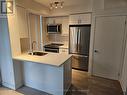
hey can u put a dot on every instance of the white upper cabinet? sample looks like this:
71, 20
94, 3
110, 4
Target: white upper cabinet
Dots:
80, 19
54, 20
50, 21
65, 26
22, 22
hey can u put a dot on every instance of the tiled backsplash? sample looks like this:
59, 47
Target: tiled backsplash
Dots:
25, 44
58, 38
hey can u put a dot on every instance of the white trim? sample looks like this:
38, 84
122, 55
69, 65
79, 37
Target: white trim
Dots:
118, 12
29, 31
93, 35
41, 33
12, 86
36, 30
111, 12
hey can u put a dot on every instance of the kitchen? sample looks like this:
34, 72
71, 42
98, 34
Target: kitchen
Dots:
35, 37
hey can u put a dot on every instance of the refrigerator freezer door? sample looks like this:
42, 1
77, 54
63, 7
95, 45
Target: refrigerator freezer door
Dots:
73, 40
80, 62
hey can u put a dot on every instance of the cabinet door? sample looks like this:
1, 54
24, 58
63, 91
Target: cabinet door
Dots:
22, 22
58, 20
80, 19
50, 20
85, 19
73, 19
65, 26
54, 20
67, 75
108, 46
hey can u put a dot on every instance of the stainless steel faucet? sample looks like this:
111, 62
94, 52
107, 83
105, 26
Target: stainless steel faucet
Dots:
34, 42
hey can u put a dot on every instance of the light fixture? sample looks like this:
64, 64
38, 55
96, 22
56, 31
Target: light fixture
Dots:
56, 5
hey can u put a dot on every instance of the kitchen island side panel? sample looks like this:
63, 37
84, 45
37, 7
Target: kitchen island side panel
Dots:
47, 78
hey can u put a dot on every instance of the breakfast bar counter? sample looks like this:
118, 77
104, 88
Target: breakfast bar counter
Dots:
50, 73
54, 59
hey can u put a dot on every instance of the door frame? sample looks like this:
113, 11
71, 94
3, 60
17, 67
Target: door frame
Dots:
92, 36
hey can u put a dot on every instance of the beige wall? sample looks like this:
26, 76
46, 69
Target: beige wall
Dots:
58, 38
45, 34
113, 4
99, 5
14, 35
33, 6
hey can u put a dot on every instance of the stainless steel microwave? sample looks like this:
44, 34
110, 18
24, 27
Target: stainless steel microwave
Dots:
54, 28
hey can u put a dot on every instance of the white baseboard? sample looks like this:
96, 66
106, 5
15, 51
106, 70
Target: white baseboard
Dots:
11, 86
122, 86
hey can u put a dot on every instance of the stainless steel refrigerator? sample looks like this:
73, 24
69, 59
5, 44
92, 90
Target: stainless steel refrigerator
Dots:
79, 40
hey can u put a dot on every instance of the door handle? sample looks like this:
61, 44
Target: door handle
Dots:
96, 51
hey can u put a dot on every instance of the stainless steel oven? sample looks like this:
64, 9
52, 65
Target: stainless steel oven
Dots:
53, 47
55, 50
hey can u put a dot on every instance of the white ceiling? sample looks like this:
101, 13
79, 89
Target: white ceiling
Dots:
66, 2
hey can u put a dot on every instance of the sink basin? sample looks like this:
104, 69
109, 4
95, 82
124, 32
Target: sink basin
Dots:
38, 53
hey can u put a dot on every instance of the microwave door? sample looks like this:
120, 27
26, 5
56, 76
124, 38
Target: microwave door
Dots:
73, 40
52, 29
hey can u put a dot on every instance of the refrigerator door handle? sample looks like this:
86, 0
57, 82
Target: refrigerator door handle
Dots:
77, 41
79, 35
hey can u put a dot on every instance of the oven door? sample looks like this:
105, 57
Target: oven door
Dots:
55, 50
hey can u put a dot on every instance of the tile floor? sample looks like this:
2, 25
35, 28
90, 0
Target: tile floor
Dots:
82, 84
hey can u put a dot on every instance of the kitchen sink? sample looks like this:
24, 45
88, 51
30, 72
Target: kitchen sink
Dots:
38, 53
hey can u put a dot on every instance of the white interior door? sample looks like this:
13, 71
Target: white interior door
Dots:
109, 36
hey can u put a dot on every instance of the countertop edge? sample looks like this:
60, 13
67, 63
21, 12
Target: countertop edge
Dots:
19, 59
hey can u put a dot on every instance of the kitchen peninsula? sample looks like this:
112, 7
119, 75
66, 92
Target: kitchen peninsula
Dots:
50, 73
